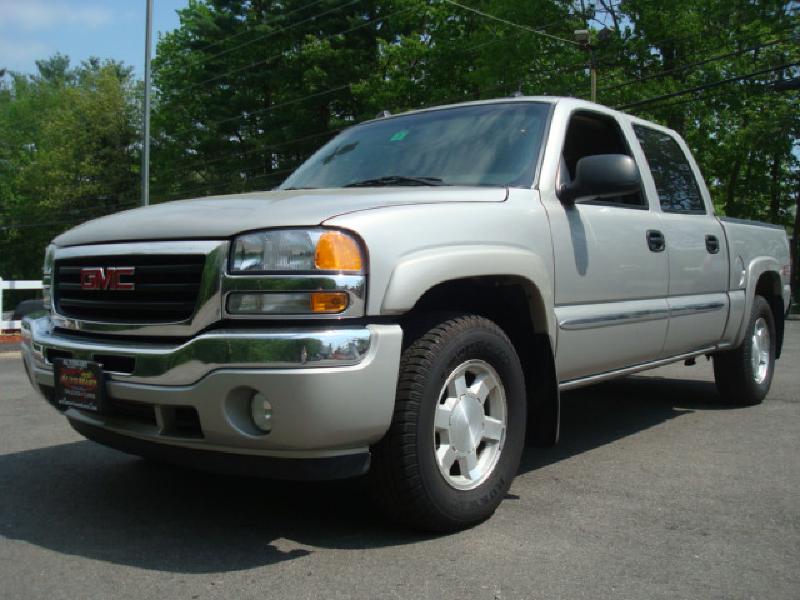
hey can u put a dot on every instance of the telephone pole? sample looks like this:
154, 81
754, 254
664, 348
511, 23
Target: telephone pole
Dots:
146, 125
582, 37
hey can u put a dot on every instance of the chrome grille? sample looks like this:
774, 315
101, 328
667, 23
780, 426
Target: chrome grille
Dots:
166, 289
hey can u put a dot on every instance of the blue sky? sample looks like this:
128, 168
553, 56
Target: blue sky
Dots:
34, 29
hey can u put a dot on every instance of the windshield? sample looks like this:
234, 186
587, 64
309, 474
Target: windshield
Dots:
488, 144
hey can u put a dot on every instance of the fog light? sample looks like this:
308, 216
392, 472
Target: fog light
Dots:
261, 412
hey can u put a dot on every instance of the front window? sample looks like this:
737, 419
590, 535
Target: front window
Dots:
482, 145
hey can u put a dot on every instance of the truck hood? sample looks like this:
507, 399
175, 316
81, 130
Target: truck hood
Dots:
223, 216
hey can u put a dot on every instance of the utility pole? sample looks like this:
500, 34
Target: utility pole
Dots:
147, 85
584, 40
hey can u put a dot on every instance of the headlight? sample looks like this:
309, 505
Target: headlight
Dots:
296, 250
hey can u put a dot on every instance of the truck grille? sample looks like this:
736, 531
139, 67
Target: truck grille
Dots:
166, 288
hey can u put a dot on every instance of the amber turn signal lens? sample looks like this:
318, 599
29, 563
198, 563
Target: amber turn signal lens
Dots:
328, 302
337, 251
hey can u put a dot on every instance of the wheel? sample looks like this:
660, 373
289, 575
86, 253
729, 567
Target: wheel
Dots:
743, 376
458, 427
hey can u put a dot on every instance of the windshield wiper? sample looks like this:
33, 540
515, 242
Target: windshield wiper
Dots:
396, 180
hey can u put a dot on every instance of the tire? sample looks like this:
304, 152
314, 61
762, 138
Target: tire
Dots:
743, 376
442, 407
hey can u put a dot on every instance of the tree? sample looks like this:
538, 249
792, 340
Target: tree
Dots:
68, 152
247, 89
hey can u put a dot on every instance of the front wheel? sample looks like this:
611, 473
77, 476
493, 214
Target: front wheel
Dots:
743, 376
458, 429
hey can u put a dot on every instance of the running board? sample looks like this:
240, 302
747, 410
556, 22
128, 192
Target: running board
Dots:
571, 384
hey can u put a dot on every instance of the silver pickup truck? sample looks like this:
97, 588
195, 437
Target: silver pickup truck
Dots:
409, 303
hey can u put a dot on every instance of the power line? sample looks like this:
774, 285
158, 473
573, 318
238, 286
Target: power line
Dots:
264, 147
263, 110
246, 31
273, 173
691, 65
511, 23
273, 57
281, 30
238, 153
227, 183
716, 95
202, 188
706, 86
74, 213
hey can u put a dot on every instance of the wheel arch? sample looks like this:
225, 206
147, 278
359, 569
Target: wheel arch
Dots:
763, 279
518, 307
770, 287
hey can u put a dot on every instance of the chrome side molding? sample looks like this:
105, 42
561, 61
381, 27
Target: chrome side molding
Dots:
605, 317
695, 309
608, 320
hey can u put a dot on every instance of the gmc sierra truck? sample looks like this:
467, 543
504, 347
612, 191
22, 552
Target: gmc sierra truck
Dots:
408, 303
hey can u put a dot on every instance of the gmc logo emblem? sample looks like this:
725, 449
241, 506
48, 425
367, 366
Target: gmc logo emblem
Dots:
109, 278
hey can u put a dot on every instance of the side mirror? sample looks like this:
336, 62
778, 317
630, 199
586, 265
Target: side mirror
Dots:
600, 176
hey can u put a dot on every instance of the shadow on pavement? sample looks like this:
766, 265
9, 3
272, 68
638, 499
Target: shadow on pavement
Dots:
83, 499
594, 416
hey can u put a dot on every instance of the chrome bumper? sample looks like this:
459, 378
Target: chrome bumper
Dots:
332, 390
186, 363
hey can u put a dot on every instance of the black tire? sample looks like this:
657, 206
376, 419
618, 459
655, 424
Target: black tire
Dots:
405, 476
734, 372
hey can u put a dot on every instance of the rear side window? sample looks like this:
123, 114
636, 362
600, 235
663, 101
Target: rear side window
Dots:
675, 183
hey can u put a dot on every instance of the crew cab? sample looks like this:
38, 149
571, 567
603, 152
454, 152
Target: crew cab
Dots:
409, 303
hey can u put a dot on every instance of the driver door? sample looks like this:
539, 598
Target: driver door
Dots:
611, 275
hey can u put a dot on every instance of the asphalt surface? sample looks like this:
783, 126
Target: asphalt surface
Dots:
657, 490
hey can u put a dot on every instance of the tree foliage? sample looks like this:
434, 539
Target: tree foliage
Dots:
67, 153
247, 89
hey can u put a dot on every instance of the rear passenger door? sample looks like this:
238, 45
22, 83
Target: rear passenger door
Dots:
695, 242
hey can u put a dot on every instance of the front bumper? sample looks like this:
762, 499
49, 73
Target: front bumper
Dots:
331, 390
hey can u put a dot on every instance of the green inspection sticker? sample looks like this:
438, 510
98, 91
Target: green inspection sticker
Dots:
399, 136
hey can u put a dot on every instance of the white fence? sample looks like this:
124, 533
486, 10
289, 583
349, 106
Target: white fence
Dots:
14, 285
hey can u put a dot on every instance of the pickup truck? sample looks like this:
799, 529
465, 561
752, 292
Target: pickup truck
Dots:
409, 303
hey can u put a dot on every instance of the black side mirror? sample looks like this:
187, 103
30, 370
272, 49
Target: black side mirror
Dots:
602, 175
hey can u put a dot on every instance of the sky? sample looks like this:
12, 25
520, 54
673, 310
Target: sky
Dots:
36, 29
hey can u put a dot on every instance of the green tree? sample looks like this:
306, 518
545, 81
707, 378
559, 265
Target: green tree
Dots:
68, 153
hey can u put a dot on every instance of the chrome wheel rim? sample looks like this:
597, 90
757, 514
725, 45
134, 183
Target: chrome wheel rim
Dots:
760, 350
470, 424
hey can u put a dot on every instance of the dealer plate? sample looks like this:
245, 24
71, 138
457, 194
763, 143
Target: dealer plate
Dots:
79, 384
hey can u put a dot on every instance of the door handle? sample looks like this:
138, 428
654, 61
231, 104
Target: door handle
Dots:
712, 244
656, 240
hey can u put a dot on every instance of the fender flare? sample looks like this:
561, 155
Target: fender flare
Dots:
755, 269
419, 271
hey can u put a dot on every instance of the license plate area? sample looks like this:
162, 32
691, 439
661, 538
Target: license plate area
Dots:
80, 384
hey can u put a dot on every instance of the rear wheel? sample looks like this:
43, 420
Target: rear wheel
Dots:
743, 376
458, 429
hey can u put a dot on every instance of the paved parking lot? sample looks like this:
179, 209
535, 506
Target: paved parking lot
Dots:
656, 491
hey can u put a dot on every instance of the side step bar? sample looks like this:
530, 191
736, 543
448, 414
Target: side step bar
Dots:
571, 384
